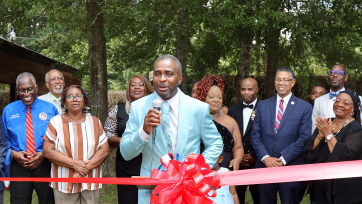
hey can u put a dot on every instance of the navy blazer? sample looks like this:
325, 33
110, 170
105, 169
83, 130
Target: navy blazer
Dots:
294, 130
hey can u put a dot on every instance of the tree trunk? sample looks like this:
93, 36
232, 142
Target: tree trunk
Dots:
97, 58
244, 59
98, 68
272, 46
181, 46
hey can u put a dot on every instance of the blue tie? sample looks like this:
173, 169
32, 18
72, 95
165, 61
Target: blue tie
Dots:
332, 94
166, 125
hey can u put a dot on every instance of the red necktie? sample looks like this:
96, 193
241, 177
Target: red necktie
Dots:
30, 144
279, 116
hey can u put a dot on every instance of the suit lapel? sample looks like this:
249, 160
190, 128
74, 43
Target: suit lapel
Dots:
287, 111
273, 106
183, 123
325, 106
240, 111
251, 122
160, 143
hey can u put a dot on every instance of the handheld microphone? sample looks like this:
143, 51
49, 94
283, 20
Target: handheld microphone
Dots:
156, 105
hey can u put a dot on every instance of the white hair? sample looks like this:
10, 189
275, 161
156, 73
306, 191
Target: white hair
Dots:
25, 75
46, 75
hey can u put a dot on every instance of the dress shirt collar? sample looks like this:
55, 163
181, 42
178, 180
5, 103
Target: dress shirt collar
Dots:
252, 103
33, 105
54, 98
330, 90
174, 101
286, 99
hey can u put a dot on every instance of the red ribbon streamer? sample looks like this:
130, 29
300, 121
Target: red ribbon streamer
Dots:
307, 172
334, 170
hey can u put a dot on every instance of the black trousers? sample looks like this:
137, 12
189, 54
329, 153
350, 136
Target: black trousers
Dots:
254, 189
240, 190
21, 192
126, 194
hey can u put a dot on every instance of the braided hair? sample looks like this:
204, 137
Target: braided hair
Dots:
206, 83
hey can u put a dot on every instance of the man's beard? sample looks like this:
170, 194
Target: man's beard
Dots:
336, 86
169, 94
58, 91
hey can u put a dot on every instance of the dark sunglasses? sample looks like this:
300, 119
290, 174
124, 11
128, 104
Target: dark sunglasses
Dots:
339, 73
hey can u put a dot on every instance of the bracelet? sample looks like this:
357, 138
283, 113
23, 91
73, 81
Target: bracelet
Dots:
318, 138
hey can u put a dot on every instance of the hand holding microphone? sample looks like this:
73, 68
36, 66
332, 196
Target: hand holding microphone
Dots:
153, 117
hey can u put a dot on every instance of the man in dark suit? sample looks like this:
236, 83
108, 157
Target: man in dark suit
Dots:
244, 114
281, 127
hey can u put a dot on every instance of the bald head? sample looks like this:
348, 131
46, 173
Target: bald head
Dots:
249, 90
339, 67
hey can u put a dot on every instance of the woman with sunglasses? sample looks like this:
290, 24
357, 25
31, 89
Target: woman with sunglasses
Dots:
76, 145
335, 140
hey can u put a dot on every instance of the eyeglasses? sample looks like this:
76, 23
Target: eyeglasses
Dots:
284, 80
346, 103
77, 97
339, 73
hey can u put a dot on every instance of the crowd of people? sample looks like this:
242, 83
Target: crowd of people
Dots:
53, 135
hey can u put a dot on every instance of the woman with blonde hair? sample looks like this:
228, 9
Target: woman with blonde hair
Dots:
138, 87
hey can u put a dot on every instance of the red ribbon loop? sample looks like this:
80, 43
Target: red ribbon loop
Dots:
191, 182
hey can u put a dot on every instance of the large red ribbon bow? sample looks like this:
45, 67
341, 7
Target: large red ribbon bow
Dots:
191, 185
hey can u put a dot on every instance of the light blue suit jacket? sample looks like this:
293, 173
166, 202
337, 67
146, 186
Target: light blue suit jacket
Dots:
195, 124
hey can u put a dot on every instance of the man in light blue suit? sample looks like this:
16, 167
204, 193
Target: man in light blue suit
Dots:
181, 124
281, 127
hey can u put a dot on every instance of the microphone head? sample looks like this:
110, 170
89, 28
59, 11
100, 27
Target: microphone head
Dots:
157, 103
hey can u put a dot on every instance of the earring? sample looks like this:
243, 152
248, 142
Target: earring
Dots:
352, 114
221, 111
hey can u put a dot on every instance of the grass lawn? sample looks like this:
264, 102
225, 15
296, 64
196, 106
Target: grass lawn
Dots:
109, 196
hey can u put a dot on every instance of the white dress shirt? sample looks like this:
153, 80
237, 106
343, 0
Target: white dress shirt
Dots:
247, 114
285, 103
331, 103
174, 112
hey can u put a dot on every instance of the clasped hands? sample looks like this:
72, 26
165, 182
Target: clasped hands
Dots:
32, 161
324, 126
80, 167
273, 162
247, 160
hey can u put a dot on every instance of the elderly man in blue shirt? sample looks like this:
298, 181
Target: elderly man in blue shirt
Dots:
25, 122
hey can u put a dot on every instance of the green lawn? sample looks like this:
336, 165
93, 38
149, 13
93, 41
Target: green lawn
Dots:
109, 196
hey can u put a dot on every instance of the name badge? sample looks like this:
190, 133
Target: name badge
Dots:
43, 116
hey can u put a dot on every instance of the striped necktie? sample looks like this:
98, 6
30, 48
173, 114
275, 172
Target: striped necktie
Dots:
166, 125
57, 102
30, 144
279, 116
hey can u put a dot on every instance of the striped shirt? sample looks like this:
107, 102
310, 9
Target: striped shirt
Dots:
78, 141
